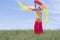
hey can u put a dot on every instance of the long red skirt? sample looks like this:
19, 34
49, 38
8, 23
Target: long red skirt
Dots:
38, 28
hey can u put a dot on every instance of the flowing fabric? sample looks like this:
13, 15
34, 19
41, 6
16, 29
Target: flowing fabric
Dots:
33, 9
38, 28
44, 8
25, 7
38, 25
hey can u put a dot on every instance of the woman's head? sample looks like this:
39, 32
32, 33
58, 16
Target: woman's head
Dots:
39, 8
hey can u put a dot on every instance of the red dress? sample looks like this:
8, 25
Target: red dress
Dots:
38, 24
38, 28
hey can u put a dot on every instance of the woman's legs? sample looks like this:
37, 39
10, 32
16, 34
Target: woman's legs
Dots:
38, 27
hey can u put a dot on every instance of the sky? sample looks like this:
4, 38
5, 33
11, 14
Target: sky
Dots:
12, 17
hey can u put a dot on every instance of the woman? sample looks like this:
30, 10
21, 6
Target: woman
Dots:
38, 23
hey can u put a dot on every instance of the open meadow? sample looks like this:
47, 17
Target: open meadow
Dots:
29, 35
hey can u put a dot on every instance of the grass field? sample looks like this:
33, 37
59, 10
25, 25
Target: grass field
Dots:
29, 35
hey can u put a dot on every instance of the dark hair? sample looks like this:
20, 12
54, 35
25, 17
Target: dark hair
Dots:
39, 8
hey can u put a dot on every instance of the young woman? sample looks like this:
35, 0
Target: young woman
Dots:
38, 23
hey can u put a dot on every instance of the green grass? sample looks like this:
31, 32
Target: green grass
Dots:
29, 35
